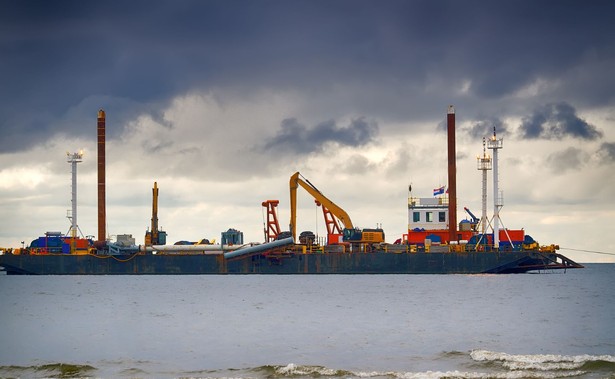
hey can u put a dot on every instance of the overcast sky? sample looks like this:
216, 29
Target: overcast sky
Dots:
220, 102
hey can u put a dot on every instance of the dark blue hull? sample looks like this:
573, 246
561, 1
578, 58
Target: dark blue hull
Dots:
287, 263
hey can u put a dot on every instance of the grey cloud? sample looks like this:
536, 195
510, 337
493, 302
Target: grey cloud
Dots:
399, 163
485, 128
478, 128
460, 155
606, 153
556, 121
155, 146
357, 164
296, 138
568, 159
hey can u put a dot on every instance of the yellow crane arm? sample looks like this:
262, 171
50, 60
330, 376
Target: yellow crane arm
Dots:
338, 212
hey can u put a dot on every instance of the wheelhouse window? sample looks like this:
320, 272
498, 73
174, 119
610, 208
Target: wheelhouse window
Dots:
429, 216
416, 216
442, 216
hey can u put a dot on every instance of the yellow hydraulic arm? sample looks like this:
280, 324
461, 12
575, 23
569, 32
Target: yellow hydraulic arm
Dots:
338, 212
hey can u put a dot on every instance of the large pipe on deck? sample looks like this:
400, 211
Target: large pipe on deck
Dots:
102, 213
259, 248
452, 175
190, 248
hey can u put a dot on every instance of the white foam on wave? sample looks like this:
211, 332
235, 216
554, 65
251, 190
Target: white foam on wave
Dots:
537, 359
486, 375
542, 366
514, 366
553, 365
294, 370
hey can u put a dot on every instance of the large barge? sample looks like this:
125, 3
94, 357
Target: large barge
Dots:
435, 242
287, 262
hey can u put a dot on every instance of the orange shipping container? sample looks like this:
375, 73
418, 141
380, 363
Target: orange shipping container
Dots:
516, 235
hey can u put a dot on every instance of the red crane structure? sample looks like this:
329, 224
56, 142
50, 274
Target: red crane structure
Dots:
272, 227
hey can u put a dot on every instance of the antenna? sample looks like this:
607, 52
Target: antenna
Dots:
498, 202
73, 159
484, 164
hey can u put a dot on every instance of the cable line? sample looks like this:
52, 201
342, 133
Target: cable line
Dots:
587, 251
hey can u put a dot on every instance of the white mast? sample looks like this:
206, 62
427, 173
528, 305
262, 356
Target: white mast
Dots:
496, 144
484, 165
73, 159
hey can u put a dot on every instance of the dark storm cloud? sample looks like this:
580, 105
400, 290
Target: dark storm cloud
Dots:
556, 121
296, 138
477, 129
486, 127
139, 55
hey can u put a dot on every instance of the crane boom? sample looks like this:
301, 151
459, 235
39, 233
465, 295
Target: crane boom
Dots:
152, 237
338, 212
155, 213
474, 218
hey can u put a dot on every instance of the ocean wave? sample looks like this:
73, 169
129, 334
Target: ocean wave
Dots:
133, 373
486, 375
547, 363
485, 355
293, 370
51, 370
306, 371
476, 364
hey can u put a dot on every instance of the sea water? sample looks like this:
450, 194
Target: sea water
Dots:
547, 325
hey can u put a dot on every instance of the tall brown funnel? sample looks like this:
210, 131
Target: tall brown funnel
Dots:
452, 175
102, 213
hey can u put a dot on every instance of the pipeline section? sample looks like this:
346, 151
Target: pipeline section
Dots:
259, 248
229, 251
205, 249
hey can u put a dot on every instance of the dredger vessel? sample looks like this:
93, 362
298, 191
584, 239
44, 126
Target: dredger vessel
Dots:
434, 244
